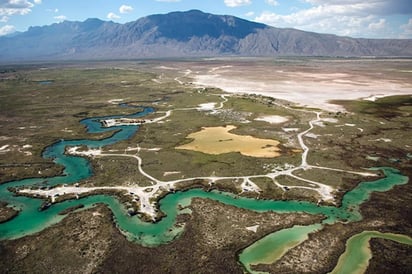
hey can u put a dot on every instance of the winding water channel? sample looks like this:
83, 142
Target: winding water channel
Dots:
267, 250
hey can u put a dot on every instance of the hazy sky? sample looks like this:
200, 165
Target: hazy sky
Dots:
369, 18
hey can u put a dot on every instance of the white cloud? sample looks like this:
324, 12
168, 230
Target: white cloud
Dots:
407, 29
341, 17
318, 20
381, 7
4, 19
169, 1
237, 3
52, 10
38, 2
60, 18
333, 2
272, 2
381, 24
125, 9
15, 7
250, 14
7, 29
113, 16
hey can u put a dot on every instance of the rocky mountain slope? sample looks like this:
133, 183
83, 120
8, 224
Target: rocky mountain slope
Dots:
184, 34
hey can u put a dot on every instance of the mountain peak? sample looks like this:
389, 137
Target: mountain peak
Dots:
194, 23
93, 20
182, 34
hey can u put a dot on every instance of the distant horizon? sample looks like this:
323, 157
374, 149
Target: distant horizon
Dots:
378, 19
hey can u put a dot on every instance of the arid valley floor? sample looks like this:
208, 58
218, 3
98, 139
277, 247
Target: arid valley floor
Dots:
229, 165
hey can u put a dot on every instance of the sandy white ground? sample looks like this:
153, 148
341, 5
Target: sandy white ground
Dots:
16, 148
304, 88
131, 122
4, 148
207, 106
253, 228
273, 119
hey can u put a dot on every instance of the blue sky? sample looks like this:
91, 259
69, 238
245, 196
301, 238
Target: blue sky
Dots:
369, 18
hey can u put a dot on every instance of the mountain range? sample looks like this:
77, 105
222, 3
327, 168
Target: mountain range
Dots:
184, 34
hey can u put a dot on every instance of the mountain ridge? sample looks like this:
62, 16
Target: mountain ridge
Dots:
184, 34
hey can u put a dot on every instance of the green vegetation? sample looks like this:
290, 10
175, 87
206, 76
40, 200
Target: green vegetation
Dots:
107, 172
386, 107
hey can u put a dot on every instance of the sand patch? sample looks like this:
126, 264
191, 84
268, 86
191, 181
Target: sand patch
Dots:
253, 228
168, 173
219, 140
206, 107
115, 101
312, 135
290, 129
4, 147
273, 119
330, 120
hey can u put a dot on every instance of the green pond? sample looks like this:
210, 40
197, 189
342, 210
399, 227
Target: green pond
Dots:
356, 258
272, 247
269, 249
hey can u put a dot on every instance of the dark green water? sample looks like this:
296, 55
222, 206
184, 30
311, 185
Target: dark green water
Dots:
30, 220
